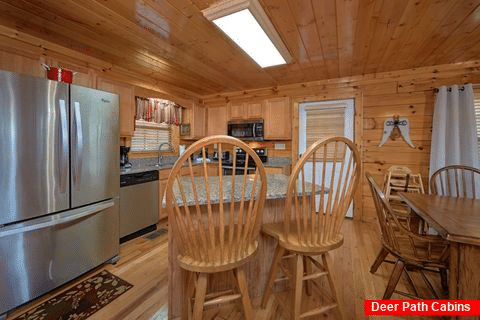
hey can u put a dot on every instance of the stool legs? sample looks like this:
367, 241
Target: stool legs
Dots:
279, 251
297, 286
201, 289
243, 288
302, 271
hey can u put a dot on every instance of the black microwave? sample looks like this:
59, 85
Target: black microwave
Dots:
246, 130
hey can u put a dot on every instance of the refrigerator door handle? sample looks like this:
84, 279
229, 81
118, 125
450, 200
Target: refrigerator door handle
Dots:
49, 222
63, 161
79, 144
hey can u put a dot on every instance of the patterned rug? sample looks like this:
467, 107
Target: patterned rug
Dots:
80, 301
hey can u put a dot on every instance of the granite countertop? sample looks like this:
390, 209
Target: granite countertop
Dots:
277, 184
148, 164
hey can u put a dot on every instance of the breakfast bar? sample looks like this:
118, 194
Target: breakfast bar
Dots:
256, 270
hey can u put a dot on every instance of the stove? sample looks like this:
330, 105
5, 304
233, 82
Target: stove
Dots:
241, 156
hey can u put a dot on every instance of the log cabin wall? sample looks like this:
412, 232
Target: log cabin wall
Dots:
378, 96
406, 93
26, 54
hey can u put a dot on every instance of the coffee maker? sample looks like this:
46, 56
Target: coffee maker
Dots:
124, 162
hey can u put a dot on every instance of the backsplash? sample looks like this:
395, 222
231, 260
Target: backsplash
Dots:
146, 162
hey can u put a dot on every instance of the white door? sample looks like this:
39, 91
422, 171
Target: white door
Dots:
321, 119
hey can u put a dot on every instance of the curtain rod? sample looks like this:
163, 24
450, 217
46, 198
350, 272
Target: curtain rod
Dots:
449, 89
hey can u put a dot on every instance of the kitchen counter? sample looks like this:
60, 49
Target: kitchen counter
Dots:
277, 184
148, 164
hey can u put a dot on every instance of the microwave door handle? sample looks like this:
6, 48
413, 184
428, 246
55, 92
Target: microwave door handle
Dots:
254, 131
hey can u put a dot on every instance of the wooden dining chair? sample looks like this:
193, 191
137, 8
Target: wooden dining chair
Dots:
411, 250
216, 218
319, 193
401, 179
456, 181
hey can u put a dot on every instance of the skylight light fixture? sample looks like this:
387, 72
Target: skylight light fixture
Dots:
245, 22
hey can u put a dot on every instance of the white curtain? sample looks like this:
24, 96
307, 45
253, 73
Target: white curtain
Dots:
454, 135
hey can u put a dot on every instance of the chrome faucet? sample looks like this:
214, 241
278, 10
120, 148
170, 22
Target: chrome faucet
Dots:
160, 156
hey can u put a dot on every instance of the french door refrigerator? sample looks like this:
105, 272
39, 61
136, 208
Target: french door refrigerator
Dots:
59, 184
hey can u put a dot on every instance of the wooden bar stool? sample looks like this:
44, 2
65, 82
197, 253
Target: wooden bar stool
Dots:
319, 193
217, 221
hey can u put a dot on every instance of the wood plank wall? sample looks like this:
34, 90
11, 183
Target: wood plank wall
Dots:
408, 93
378, 96
26, 54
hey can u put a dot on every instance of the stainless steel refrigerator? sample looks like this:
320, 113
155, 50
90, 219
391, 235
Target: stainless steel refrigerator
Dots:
59, 184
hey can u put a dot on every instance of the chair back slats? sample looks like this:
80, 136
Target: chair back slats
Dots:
456, 181
320, 191
218, 216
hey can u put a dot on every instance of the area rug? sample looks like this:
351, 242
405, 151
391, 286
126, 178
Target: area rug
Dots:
80, 301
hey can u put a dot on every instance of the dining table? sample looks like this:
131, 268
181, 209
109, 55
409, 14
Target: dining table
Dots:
458, 221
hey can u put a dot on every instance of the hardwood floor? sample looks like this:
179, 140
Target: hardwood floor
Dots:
144, 264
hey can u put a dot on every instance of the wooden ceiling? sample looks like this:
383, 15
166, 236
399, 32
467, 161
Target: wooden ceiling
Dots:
171, 42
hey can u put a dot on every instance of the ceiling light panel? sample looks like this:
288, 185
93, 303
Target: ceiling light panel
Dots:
245, 22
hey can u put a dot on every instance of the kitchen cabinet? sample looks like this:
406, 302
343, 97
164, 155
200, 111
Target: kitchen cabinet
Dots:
246, 111
237, 111
254, 110
278, 119
196, 118
127, 103
281, 169
217, 121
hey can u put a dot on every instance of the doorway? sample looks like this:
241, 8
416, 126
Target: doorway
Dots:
322, 119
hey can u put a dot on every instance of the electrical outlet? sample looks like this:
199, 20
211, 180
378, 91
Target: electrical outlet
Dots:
279, 146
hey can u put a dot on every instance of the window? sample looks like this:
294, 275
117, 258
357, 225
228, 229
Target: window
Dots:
153, 124
322, 119
149, 135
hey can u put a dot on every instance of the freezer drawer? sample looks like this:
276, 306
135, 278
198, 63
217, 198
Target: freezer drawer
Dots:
42, 254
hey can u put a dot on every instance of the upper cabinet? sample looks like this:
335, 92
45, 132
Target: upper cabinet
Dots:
127, 104
245, 111
278, 119
196, 118
217, 121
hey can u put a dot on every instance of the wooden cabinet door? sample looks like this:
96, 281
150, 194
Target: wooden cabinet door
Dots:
255, 110
278, 120
217, 121
127, 104
237, 111
196, 117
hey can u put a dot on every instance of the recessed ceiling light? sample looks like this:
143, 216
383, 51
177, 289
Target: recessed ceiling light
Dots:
245, 22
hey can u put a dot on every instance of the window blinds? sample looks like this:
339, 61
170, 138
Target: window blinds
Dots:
149, 135
324, 122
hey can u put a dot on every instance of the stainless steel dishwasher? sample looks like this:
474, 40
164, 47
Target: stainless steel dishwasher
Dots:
138, 203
